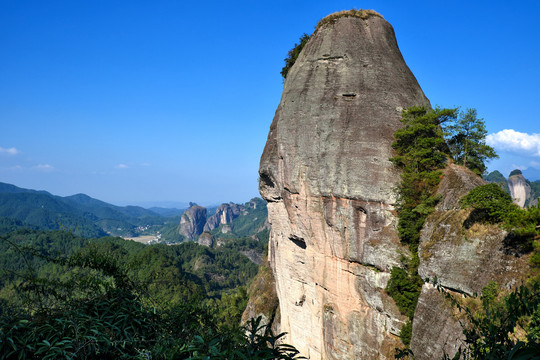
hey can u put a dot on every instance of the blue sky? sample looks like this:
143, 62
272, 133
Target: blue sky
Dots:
134, 102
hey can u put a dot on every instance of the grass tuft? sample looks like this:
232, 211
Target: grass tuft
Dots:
362, 14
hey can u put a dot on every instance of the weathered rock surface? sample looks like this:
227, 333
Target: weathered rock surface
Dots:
263, 300
520, 190
436, 326
462, 258
225, 213
192, 222
326, 175
206, 239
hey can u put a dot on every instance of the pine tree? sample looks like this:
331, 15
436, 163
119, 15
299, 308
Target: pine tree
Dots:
466, 138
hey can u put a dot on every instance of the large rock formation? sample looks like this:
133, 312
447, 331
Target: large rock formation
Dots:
326, 175
520, 190
192, 222
206, 239
523, 192
330, 187
225, 214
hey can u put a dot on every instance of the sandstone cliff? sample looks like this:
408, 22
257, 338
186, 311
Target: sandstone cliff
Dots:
329, 185
206, 239
225, 214
520, 190
523, 192
192, 222
326, 175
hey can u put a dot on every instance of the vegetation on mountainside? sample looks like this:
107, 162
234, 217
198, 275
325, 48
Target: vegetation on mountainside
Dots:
501, 326
251, 222
423, 146
497, 178
515, 172
79, 213
491, 204
293, 54
466, 138
420, 153
94, 309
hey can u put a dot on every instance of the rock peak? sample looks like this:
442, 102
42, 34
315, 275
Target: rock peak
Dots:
362, 14
326, 174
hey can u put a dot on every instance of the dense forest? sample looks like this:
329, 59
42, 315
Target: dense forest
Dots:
65, 296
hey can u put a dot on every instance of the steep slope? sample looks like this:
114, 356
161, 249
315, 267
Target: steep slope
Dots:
229, 221
225, 214
329, 185
462, 259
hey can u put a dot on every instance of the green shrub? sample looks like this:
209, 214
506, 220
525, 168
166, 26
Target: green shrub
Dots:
406, 333
293, 54
515, 172
405, 289
490, 202
98, 312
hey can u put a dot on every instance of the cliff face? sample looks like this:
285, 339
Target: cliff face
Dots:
329, 185
225, 214
519, 190
463, 259
192, 222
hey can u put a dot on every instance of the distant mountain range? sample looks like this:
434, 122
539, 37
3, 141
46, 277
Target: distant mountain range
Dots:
229, 220
79, 213
89, 217
523, 191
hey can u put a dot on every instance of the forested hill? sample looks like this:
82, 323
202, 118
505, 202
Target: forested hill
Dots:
79, 213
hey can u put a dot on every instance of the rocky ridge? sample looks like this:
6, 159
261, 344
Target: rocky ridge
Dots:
194, 222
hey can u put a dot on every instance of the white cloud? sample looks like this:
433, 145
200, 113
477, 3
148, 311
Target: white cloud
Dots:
515, 141
520, 167
122, 166
43, 167
9, 151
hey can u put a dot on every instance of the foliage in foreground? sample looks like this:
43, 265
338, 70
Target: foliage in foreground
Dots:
502, 327
98, 312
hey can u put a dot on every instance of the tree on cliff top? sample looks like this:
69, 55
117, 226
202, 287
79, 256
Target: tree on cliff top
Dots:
293, 55
466, 138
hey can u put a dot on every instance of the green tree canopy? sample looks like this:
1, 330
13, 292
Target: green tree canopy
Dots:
466, 139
